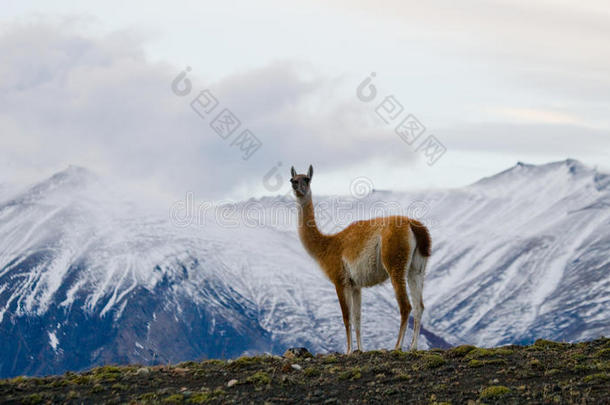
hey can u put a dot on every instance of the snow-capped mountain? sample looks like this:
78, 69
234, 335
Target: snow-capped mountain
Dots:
88, 277
523, 255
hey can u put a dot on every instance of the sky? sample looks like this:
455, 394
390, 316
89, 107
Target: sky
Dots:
487, 84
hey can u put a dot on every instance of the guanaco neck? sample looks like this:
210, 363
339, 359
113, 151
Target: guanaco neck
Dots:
314, 241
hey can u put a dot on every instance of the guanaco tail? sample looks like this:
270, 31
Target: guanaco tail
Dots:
364, 254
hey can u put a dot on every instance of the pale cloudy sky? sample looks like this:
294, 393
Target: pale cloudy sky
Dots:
496, 82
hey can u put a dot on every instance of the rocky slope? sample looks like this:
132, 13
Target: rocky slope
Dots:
545, 372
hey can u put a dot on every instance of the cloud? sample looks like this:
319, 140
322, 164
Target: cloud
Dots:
542, 47
98, 102
528, 139
540, 116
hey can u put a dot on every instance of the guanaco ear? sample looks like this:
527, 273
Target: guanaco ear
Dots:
293, 172
310, 172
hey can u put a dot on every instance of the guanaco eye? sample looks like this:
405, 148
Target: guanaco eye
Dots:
307, 180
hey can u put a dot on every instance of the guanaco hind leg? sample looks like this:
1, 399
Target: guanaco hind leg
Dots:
400, 289
397, 247
415, 278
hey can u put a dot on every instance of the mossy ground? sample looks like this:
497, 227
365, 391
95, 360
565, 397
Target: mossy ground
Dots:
545, 372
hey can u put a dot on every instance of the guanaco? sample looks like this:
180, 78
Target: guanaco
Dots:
364, 254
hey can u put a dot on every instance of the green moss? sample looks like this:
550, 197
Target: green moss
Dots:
97, 388
174, 399
17, 380
477, 353
32, 399
390, 391
604, 353
106, 369
353, 373
597, 378
81, 379
332, 369
433, 361
410, 355
259, 378
404, 376
119, 387
480, 363
535, 363
200, 398
60, 383
461, 351
149, 397
578, 356
583, 368
475, 363
244, 362
330, 359
552, 372
106, 373
311, 372
494, 392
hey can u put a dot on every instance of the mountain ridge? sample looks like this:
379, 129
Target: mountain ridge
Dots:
514, 259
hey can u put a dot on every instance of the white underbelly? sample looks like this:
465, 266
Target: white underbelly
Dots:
366, 270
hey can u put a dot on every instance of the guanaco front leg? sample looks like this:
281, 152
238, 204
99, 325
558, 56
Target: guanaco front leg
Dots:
356, 299
344, 294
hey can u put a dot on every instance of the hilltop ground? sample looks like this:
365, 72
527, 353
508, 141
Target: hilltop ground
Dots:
545, 372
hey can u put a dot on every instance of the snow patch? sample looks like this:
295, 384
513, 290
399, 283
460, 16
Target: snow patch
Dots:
53, 341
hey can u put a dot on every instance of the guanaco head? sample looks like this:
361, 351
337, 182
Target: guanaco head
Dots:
300, 182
